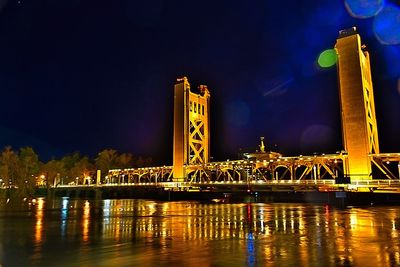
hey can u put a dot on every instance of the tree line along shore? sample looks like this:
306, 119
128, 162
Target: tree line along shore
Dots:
22, 172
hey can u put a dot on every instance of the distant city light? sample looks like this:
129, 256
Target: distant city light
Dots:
387, 25
327, 58
364, 8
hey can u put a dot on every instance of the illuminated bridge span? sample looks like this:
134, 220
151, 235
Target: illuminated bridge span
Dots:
359, 167
323, 172
325, 167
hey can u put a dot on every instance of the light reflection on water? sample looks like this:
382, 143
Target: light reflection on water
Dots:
64, 215
147, 233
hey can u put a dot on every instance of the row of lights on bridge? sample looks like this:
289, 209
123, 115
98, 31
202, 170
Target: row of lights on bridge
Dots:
225, 164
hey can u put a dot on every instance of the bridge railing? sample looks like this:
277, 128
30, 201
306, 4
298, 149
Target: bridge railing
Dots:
328, 182
377, 183
188, 184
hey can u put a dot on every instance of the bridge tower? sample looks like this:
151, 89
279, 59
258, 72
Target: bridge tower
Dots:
191, 127
359, 129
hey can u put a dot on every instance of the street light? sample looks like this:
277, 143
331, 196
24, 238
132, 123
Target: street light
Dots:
398, 166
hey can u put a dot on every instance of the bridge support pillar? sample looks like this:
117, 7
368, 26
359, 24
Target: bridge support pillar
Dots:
359, 128
191, 128
98, 177
98, 193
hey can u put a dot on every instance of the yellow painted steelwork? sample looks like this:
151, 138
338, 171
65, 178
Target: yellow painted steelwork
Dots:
359, 128
191, 128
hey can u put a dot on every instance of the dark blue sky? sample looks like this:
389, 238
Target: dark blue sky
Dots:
83, 75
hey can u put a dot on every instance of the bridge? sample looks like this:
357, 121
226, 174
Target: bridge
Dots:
359, 167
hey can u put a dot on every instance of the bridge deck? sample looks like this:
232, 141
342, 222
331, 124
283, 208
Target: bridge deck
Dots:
392, 186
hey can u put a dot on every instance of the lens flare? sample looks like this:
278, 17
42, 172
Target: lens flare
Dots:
387, 25
364, 8
327, 58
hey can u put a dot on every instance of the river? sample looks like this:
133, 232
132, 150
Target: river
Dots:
131, 232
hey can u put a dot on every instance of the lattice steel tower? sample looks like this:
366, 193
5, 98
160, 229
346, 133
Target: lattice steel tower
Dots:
359, 129
191, 128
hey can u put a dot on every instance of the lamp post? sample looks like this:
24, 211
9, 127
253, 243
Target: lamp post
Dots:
398, 166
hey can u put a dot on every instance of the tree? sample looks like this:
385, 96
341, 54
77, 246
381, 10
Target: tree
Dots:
52, 170
106, 160
69, 162
125, 160
28, 169
143, 162
18, 170
82, 169
8, 166
29, 161
148, 161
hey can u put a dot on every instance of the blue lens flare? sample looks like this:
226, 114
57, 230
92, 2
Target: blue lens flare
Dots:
387, 25
364, 8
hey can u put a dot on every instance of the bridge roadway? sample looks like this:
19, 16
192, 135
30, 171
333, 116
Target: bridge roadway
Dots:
328, 185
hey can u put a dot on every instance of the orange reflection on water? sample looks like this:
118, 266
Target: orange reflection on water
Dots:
369, 237
86, 221
270, 233
38, 230
39, 221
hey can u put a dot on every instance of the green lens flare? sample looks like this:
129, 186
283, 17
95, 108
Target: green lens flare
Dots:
327, 58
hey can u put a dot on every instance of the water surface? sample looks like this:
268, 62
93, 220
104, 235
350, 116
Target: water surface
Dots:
65, 232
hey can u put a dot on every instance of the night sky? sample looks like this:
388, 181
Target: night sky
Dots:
84, 75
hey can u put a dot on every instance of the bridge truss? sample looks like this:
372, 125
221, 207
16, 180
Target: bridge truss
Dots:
322, 170
322, 167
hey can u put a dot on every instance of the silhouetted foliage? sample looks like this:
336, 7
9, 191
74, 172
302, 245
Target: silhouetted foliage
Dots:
21, 170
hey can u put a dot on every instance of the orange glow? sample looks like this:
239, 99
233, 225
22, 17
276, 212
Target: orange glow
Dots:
39, 221
86, 221
38, 232
191, 128
359, 127
282, 232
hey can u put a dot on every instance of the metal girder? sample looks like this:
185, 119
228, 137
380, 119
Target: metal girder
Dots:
328, 170
237, 169
378, 163
197, 141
